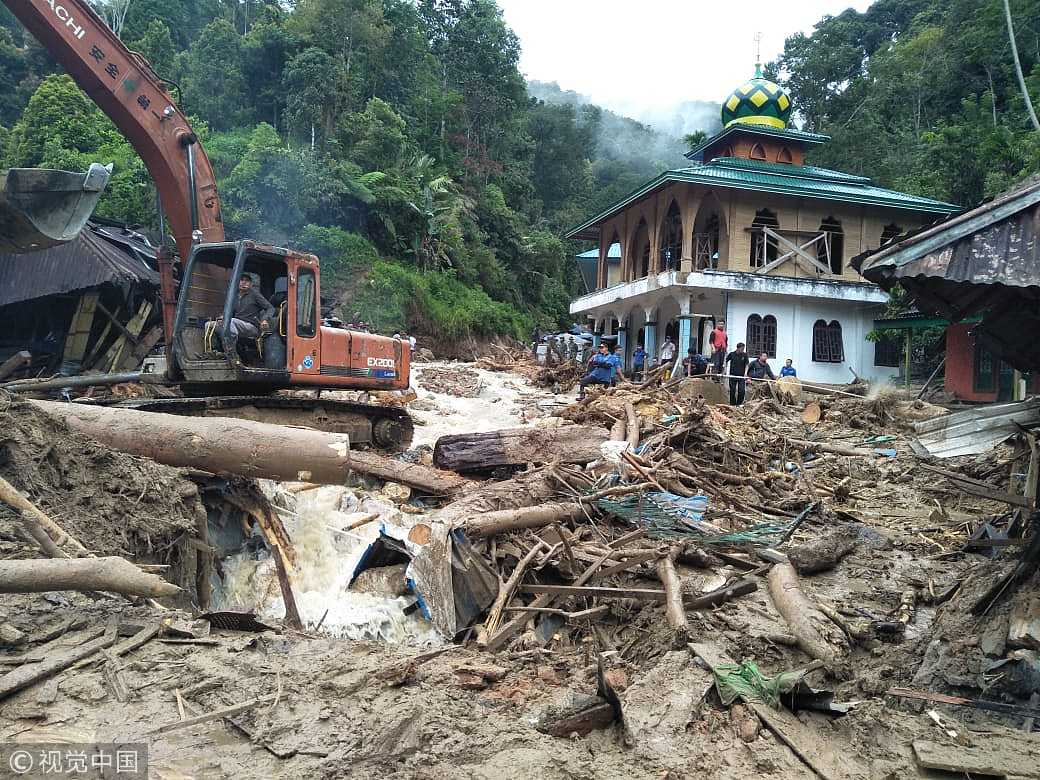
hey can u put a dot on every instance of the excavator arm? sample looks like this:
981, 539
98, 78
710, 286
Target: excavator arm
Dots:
125, 87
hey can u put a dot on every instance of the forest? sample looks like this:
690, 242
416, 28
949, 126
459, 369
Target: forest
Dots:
398, 140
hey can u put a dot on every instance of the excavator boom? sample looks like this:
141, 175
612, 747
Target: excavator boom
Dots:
124, 86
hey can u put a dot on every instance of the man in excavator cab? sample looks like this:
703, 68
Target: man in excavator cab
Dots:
251, 317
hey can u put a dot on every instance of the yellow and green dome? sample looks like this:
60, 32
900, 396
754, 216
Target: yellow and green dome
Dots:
757, 102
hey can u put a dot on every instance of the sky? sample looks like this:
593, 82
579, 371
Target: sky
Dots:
639, 57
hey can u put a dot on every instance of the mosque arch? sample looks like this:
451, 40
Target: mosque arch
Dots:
671, 233
641, 250
710, 237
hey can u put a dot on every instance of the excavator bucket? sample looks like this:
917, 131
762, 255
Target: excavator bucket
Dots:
42, 208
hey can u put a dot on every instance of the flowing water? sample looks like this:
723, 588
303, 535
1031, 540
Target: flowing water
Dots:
327, 555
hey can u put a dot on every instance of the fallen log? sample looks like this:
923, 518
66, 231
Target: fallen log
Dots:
825, 552
518, 446
13, 363
673, 605
38, 521
493, 523
806, 622
837, 449
251, 449
113, 574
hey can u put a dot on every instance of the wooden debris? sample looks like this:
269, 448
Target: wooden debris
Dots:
825, 552
252, 449
812, 413
505, 593
493, 523
116, 575
1024, 626
518, 446
988, 755
806, 622
213, 715
29, 674
55, 533
674, 609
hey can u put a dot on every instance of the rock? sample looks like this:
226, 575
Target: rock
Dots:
382, 581
748, 729
422, 355
11, 636
569, 712
700, 387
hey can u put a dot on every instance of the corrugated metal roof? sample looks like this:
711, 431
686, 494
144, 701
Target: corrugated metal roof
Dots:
974, 431
797, 180
985, 261
771, 132
86, 261
613, 253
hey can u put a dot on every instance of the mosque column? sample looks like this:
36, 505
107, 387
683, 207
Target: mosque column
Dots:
650, 338
597, 331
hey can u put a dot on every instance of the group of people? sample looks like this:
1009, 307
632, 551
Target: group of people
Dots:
604, 367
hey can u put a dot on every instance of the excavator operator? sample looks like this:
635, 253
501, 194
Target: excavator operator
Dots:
250, 317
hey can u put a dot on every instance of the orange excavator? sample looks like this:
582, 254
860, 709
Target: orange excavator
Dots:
299, 351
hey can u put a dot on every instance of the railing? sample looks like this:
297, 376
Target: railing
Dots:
764, 238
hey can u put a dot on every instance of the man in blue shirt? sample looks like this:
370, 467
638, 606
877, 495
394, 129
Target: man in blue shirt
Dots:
638, 359
788, 369
617, 360
600, 370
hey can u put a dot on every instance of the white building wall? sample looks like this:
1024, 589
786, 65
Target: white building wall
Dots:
795, 317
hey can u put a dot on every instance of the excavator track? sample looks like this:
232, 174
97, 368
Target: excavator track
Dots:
386, 428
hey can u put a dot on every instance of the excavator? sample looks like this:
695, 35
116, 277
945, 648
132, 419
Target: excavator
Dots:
199, 285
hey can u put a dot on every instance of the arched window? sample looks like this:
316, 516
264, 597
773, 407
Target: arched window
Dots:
761, 335
889, 233
671, 238
831, 249
785, 156
641, 251
764, 249
827, 346
727, 152
757, 152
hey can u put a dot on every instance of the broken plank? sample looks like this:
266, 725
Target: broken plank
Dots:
213, 715
27, 675
641, 594
990, 755
825, 757
960, 701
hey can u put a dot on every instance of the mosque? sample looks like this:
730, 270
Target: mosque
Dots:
750, 234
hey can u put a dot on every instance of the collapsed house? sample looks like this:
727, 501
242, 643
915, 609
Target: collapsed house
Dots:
85, 305
980, 272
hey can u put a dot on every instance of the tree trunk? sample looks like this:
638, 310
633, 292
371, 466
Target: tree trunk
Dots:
493, 523
803, 618
113, 574
517, 446
251, 449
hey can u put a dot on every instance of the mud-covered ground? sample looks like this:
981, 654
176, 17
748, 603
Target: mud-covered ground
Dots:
366, 709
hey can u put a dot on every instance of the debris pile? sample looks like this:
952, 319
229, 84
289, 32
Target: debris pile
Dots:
450, 380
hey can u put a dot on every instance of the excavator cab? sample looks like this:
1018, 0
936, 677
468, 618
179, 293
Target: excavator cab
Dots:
296, 350
208, 291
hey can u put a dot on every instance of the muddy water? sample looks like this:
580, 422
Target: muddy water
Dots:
327, 556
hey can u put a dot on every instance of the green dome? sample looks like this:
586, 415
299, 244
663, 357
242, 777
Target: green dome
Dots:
758, 102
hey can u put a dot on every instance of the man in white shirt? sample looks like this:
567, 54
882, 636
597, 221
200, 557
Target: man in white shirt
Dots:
667, 351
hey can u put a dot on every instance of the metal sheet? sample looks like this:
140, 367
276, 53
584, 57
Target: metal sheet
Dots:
976, 430
88, 260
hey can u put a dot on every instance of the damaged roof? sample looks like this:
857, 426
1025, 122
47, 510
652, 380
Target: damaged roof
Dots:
985, 261
100, 254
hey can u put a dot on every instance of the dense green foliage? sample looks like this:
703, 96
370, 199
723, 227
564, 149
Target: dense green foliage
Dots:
398, 141
921, 94
395, 139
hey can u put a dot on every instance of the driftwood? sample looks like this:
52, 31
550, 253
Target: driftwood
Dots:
800, 614
517, 446
673, 607
29, 674
250, 449
39, 524
837, 449
493, 523
825, 552
505, 593
113, 574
